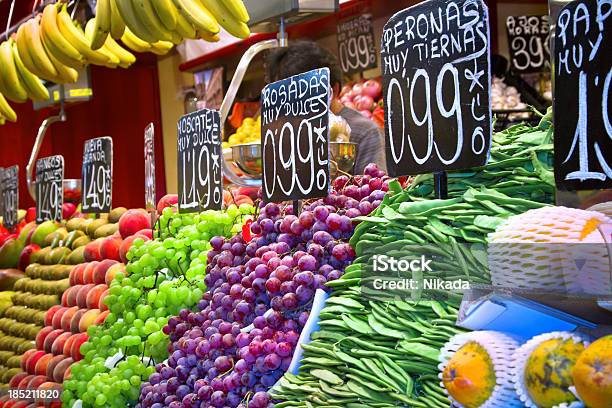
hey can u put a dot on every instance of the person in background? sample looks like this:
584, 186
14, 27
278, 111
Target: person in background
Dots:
303, 56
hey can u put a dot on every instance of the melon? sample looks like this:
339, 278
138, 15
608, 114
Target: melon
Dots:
592, 374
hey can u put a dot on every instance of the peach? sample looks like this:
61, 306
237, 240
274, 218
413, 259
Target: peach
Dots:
76, 274
40, 337
101, 317
31, 363
36, 381
82, 295
92, 251
147, 232
88, 318
50, 339
58, 345
101, 270
48, 386
74, 322
69, 343
112, 272
167, 201
50, 313
53, 363
92, 300
24, 358
60, 369
133, 221
109, 248
41, 365
88, 272
127, 244
71, 297
14, 382
75, 351
67, 318
25, 381
101, 305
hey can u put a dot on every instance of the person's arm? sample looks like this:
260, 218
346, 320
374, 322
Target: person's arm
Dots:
371, 149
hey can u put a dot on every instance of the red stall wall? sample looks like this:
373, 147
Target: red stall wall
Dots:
124, 102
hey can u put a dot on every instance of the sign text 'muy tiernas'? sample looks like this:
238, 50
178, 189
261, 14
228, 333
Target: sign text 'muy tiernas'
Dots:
436, 80
295, 137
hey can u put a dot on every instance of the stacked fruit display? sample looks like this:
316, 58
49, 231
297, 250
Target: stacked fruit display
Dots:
248, 132
162, 277
366, 97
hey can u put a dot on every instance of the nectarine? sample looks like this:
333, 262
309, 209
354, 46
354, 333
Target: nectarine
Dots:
92, 299
50, 339
88, 319
40, 337
133, 221
58, 345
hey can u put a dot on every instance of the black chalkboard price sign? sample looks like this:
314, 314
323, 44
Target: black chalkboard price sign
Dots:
97, 175
149, 158
295, 137
10, 197
356, 46
436, 87
49, 188
528, 40
583, 75
199, 161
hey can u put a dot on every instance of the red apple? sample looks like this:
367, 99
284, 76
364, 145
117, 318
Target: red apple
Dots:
88, 318
67, 317
82, 295
88, 272
101, 305
53, 363
61, 368
101, 317
92, 251
68, 210
40, 337
50, 313
133, 221
26, 253
92, 299
50, 339
75, 352
167, 201
109, 248
101, 270
74, 323
58, 345
41, 364
31, 363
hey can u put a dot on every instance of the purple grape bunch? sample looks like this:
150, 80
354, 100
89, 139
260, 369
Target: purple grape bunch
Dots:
240, 341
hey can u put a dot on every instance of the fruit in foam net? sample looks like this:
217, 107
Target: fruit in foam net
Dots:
248, 132
592, 374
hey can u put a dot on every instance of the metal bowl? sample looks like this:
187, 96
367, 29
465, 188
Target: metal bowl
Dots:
72, 190
248, 158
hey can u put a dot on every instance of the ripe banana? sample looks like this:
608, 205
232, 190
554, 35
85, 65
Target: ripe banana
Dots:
103, 24
117, 24
12, 86
198, 15
34, 86
77, 38
144, 10
184, 28
6, 111
2, 120
65, 74
226, 19
237, 9
90, 28
176, 38
56, 44
161, 47
167, 12
128, 14
134, 43
126, 58
24, 52
208, 36
37, 51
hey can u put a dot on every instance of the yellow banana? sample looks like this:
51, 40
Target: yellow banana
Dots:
224, 17
128, 14
65, 75
198, 15
176, 38
184, 28
126, 58
161, 47
6, 110
12, 86
24, 52
78, 40
145, 11
37, 51
102, 24
209, 37
237, 9
90, 28
167, 12
2, 120
117, 24
54, 41
34, 86
134, 43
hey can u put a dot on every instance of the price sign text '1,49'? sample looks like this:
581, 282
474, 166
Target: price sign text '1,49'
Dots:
97, 175
49, 188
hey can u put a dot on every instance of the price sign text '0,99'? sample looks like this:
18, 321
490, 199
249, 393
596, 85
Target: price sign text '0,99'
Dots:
436, 80
583, 65
528, 38
149, 156
97, 175
49, 188
199, 161
356, 46
295, 137
9, 186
